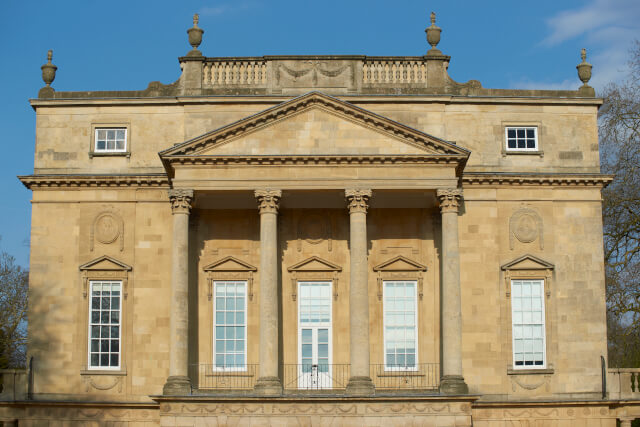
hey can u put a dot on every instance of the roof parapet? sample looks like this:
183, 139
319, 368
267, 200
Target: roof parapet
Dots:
332, 74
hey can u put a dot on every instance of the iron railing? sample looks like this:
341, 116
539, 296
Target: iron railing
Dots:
231, 377
421, 376
315, 377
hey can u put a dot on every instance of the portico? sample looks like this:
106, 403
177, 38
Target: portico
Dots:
352, 161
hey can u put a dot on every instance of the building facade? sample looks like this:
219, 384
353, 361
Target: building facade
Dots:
317, 240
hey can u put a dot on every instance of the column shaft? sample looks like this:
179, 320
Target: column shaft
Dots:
452, 379
360, 381
178, 382
268, 382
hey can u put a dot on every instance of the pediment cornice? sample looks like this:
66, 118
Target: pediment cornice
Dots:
527, 262
431, 145
314, 263
105, 263
229, 263
400, 263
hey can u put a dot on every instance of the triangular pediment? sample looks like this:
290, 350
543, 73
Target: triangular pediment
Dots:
315, 264
105, 263
400, 263
315, 124
528, 262
230, 264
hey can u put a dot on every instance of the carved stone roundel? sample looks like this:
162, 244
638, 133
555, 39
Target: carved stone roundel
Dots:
526, 227
107, 228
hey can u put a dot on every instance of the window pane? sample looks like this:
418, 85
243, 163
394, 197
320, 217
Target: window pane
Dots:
230, 318
400, 324
527, 316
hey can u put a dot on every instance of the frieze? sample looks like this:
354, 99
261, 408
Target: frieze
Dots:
90, 414
314, 73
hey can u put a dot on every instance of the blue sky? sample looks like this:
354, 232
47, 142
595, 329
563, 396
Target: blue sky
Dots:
123, 45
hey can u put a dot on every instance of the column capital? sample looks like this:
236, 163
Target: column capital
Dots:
357, 199
268, 200
180, 199
450, 199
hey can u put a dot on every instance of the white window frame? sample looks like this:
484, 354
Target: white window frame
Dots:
535, 135
217, 368
309, 325
384, 328
120, 352
108, 128
543, 325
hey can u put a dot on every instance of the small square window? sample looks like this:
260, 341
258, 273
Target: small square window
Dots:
523, 138
110, 140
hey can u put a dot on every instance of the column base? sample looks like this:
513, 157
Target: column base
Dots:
453, 385
360, 386
268, 386
177, 385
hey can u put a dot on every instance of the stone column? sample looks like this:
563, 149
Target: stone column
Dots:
452, 381
268, 382
360, 383
178, 382
626, 422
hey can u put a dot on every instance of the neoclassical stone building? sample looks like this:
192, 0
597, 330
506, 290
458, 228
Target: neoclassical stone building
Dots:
317, 240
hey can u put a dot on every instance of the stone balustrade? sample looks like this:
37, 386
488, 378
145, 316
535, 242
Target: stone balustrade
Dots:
14, 384
220, 72
394, 71
623, 383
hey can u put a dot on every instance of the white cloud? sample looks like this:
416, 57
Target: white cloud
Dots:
597, 15
608, 28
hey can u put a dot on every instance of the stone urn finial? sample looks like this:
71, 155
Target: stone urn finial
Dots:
433, 36
584, 73
49, 70
195, 37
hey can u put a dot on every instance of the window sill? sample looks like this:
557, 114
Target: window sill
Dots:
115, 372
546, 371
506, 153
126, 154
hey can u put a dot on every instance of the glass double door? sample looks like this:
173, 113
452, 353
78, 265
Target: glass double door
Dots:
314, 335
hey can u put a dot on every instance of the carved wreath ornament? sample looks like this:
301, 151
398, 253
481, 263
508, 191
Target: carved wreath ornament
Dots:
526, 226
106, 228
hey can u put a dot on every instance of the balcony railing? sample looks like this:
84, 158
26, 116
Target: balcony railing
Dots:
315, 377
231, 377
423, 376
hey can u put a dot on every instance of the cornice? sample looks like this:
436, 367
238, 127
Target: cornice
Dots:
91, 181
492, 179
318, 160
315, 99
